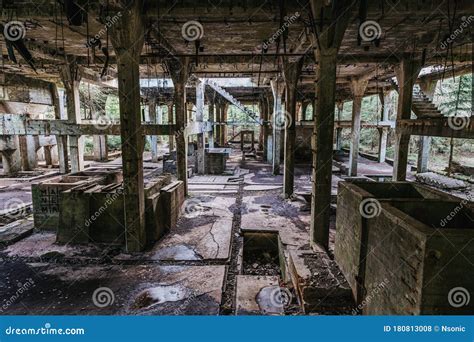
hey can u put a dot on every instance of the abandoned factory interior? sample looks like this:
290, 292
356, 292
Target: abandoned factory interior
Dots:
234, 157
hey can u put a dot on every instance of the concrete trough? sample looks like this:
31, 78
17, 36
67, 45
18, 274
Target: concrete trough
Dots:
46, 198
216, 160
172, 199
359, 205
46, 195
422, 251
95, 213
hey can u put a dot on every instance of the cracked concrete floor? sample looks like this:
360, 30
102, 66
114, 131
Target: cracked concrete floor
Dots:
195, 269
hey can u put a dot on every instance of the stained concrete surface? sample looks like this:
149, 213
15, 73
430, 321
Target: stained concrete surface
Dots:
127, 290
203, 231
197, 267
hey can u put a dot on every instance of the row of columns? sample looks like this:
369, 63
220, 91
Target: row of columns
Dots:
21, 151
127, 39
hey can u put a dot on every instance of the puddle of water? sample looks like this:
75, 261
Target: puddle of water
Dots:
159, 295
178, 252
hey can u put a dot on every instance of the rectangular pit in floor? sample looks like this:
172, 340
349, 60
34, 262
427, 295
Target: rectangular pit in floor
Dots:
261, 254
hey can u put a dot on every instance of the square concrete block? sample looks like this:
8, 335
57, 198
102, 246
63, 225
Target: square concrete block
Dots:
46, 199
106, 219
423, 259
351, 226
74, 211
154, 217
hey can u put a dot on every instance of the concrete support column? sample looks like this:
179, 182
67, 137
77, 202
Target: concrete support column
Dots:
358, 90
159, 120
152, 110
171, 121
61, 140
340, 107
383, 137
100, 148
71, 77
322, 150
127, 38
327, 37
212, 115
48, 157
428, 88
179, 74
218, 126
407, 73
260, 133
223, 132
278, 119
11, 157
291, 72
28, 144
201, 143
383, 132
424, 146
265, 126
